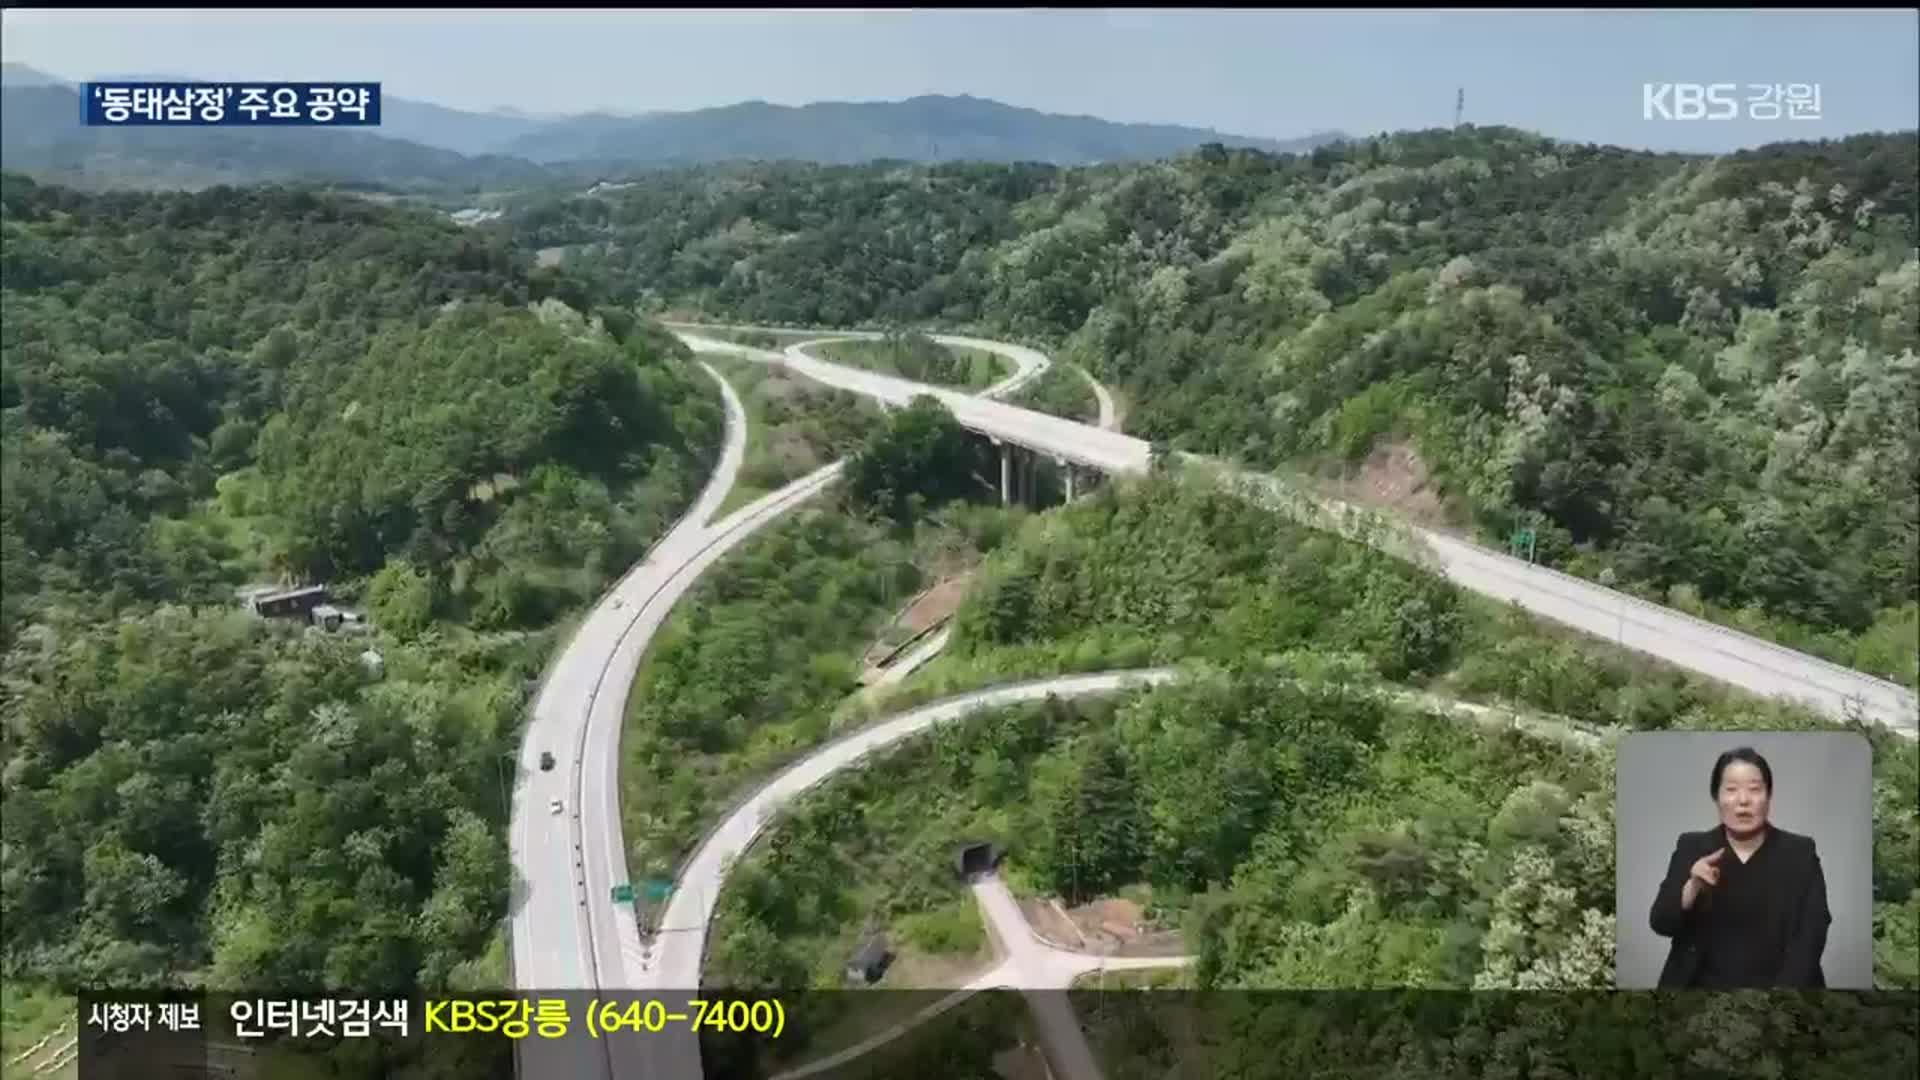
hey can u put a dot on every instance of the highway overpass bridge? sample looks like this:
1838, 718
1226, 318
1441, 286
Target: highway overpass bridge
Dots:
1706, 648
1022, 434
566, 843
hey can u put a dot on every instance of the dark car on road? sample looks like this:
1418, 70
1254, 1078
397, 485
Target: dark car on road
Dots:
546, 761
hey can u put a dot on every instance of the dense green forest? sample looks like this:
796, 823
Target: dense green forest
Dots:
1060, 391
872, 850
860, 235
794, 426
875, 847
1195, 573
751, 667
202, 391
1697, 372
1310, 830
918, 357
921, 457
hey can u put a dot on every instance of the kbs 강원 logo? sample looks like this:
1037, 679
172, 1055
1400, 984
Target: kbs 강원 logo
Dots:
1717, 101
1688, 101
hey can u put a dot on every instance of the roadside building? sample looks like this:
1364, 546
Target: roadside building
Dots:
327, 617
287, 603
308, 603
334, 619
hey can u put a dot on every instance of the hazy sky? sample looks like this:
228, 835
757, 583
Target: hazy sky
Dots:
1571, 75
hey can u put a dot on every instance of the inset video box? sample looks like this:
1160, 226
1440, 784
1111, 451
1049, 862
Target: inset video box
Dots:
236, 104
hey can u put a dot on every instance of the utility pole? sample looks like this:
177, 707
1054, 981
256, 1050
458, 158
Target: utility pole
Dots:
1459, 106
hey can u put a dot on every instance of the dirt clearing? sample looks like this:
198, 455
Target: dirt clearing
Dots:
1392, 478
1107, 927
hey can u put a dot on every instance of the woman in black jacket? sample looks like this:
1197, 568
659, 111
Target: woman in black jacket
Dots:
1745, 903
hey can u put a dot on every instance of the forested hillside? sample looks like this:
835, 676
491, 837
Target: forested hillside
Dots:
1308, 823
795, 243
203, 391
1698, 373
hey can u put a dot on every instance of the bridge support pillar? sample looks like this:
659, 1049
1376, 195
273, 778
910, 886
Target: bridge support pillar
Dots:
1066, 472
1006, 474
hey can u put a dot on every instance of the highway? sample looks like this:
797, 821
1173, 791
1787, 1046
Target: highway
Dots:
556, 944
1027, 363
565, 930
1061, 438
550, 931
1697, 645
577, 715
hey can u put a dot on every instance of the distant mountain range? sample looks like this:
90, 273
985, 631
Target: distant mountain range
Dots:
12, 75
420, 146
929, 128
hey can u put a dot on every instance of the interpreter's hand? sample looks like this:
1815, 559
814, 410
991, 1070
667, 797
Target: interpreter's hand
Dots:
1705, 874
1706, 868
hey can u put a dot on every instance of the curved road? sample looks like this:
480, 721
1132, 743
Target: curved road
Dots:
577, 715
1030, 963
1718, 652
565, 930
567, 933
1051, 435
1027, 364
561, 939
549, 928
1108, 420
682, 940
674, 974
616, 931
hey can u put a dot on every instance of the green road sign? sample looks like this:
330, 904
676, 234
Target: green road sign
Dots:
658, 889
623, 894
1522, 540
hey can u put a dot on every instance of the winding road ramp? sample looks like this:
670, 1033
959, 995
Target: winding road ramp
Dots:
565, 930
1697, 645
566, 933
